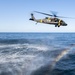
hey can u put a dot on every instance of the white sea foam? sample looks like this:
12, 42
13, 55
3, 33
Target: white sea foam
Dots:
10, 46
20, 46
14, 58
38, 47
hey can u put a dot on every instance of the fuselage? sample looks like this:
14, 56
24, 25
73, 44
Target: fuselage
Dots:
55, 21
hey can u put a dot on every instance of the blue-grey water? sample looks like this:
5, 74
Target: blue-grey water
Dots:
37, 53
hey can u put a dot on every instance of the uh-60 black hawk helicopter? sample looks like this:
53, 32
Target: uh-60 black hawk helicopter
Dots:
53, 20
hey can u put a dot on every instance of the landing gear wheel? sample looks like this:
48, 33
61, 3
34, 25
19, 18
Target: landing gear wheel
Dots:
55, 25
58, 26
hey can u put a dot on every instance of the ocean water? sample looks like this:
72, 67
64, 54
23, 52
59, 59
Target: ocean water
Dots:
37, 53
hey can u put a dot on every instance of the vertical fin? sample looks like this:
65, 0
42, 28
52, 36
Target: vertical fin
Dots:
32, 16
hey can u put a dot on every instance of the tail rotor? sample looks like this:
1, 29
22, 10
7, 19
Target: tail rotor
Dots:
32, 17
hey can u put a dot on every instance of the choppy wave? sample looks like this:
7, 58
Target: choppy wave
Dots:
40, 56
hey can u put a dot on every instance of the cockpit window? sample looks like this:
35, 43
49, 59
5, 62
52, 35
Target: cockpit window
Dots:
46, 18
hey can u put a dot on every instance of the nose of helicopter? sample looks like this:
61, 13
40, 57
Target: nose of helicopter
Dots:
65, 24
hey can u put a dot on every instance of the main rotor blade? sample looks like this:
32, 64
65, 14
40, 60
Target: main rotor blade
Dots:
54, 15
65, 17
43, 13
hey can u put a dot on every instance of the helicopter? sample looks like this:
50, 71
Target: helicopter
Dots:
52, 20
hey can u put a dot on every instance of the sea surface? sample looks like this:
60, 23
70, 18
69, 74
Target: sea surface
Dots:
37, 53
